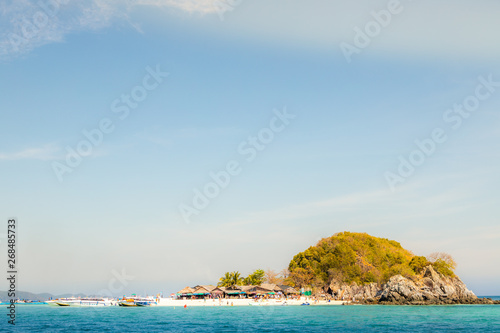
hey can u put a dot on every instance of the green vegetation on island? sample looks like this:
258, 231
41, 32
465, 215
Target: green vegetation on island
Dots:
231, 279
349, 257
258, 277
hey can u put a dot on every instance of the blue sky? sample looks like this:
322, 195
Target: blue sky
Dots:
232, 66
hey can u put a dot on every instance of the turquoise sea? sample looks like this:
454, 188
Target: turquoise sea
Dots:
458, 318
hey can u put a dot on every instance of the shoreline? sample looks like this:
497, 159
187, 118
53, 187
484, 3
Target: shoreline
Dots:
244, 302
171, 302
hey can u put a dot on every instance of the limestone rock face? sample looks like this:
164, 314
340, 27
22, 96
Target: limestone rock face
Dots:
430, 287
348, 292
399, 289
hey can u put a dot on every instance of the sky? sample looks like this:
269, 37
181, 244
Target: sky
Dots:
148, 145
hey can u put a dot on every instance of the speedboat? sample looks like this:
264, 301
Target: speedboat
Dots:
65, 301
96, 302
138, 301
86, 301
127, 302
144, 303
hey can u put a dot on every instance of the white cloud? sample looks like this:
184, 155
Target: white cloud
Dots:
26, 25
44, 153
190, 6
416, 202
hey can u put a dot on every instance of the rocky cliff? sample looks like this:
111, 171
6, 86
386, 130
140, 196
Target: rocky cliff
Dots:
429, 287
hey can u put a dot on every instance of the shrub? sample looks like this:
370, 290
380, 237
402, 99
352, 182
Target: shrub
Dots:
443, 267
418, 263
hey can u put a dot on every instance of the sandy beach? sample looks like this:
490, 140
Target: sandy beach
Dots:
243, 302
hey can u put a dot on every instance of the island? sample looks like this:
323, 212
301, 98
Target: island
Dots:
360, 268
346, 268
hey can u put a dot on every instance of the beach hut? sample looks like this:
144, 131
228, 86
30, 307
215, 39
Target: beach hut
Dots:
247, 288
287, 290
258, 290
203, 291
185, 292
272, 287
207, 287
234, 292
248, 291
218, 292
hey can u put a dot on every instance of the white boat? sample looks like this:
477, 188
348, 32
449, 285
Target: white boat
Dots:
86, 301
97, 302
61, 301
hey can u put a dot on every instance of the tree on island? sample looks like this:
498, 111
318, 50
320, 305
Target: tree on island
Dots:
418, 263
230, 279
276, 278
443, 263
255, 279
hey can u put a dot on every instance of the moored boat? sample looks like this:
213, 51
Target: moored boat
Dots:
127, 302
86, 301
24, 302
97, 302
138, 301
65, 301
62, 304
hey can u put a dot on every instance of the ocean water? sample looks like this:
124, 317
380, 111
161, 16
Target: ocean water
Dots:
458, 318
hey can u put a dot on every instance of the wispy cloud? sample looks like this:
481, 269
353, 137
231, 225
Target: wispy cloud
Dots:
190, 6
410, 201
44, 153
26, 25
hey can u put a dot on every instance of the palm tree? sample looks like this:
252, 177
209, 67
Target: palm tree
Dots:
225, 281
256, 278
236, 279
230, 280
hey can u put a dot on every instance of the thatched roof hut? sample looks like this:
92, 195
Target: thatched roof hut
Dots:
203, 290
287, 290
234, 290
272, 287
207, 287
218, 291
185, 291
246, 288
258, 290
